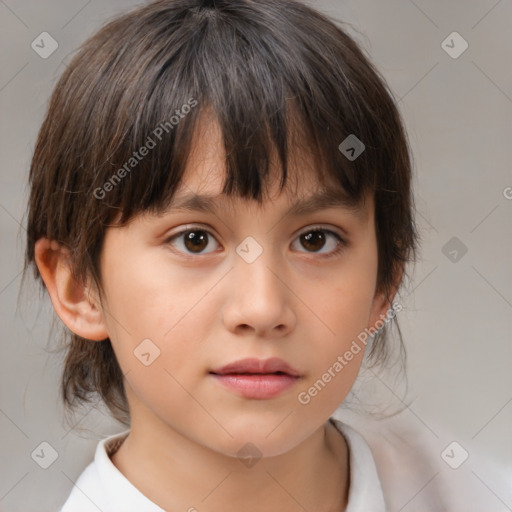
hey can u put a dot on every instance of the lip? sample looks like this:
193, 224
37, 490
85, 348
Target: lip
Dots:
257, 378
257, 366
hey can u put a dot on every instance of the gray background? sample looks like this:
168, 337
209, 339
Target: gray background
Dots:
458, 314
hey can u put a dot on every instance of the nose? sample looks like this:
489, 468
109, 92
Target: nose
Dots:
259, 302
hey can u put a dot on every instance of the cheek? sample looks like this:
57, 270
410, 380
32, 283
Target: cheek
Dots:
152, 308
343, 298
145, 294
343, 306
335, 361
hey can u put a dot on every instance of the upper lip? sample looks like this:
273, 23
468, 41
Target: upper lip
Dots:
261, 366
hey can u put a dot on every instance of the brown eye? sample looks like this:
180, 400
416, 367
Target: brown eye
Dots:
192, 241
196, 241
315, 240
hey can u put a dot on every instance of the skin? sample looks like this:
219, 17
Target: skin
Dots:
205, 310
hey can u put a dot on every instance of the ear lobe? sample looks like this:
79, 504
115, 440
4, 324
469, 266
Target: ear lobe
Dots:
71, 300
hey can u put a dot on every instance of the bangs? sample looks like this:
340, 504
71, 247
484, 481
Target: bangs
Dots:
272, 92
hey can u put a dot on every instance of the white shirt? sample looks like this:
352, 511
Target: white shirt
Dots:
102, 487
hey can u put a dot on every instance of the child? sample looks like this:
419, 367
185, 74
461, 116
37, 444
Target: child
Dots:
221, 212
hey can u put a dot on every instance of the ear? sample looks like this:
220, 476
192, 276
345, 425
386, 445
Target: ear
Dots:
72, 301
381, 304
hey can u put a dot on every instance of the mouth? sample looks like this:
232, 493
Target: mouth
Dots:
256, 378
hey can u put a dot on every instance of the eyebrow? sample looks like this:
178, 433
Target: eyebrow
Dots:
320, 200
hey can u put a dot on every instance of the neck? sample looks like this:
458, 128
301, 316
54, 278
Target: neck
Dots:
177, 473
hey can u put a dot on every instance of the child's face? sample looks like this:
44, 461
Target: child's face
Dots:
204, 305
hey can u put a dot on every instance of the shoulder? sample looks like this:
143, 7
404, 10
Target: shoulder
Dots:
411, 469
86, 494
101, 486
399, 464
405, 465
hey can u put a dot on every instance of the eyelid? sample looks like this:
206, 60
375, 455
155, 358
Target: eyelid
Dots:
322, 227
189, 227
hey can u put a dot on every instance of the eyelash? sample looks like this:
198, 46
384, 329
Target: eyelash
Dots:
339, 248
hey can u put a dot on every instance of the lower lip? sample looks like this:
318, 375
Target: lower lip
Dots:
258, 386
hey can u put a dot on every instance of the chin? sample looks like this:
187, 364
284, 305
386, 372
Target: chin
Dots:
266, 436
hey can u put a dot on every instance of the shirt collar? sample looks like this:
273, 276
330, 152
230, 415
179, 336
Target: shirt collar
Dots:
365, 491
120, 493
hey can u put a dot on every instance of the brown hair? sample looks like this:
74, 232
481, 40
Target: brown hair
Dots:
264, 68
